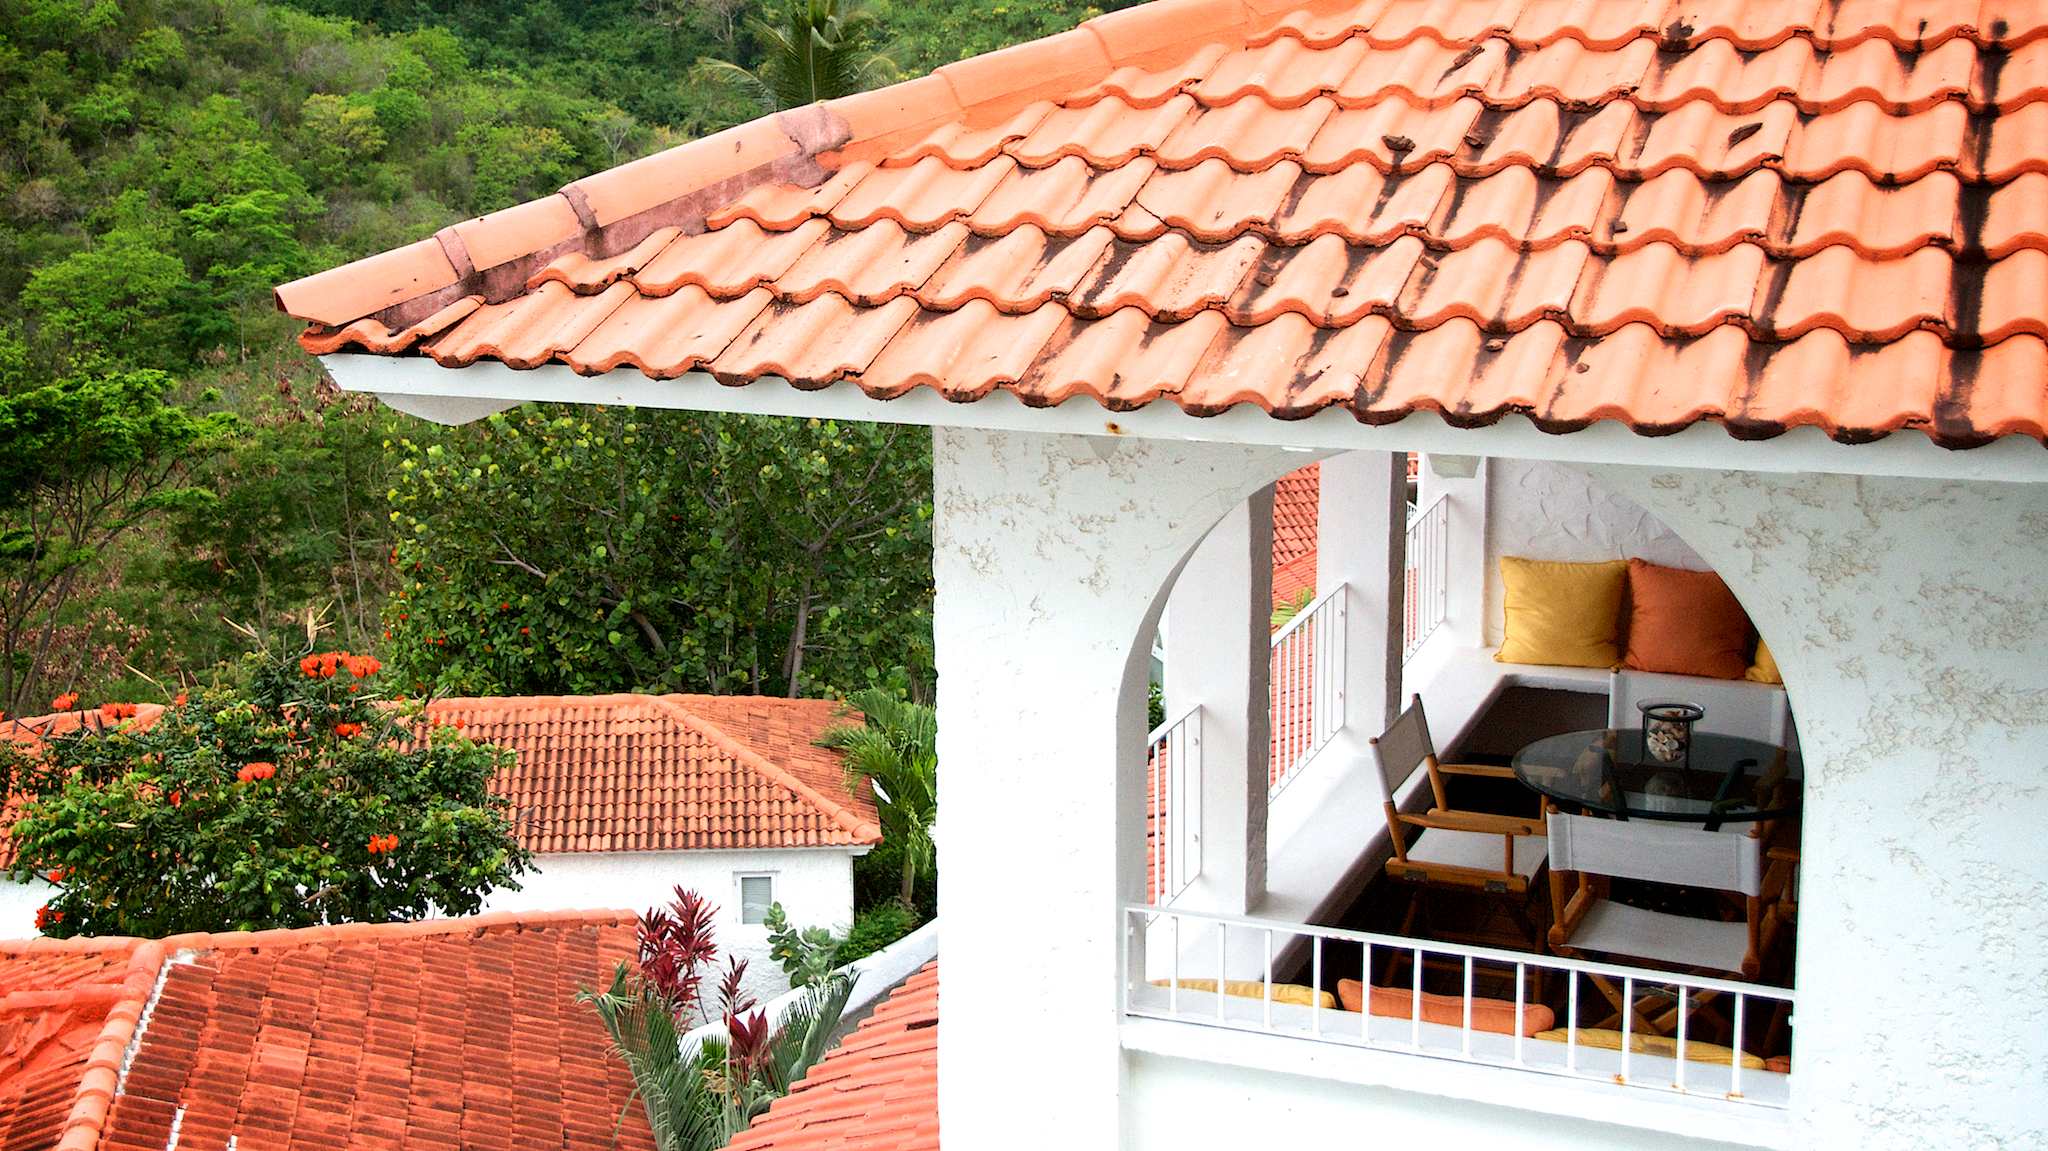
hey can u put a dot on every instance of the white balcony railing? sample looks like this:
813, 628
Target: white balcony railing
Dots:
1167, 950
1426, 594
1173, 791
1307, 685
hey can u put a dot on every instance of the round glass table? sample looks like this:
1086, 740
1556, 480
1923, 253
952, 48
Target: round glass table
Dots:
1724, 779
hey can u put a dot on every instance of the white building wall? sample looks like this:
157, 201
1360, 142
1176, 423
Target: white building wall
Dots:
1553, 511
18, 903
814, 885
1184, 1104
1910, 619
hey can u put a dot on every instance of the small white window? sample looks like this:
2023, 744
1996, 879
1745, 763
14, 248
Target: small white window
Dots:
756, 893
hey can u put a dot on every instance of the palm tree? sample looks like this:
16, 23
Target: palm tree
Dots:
819, 50
895, 749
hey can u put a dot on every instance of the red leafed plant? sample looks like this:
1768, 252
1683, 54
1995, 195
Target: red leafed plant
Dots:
700, 1088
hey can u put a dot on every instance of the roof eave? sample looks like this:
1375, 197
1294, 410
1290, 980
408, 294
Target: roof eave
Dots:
421, 387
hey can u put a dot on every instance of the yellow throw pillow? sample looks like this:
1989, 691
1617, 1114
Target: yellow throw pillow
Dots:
1563, 614
1763, 669
1293, 993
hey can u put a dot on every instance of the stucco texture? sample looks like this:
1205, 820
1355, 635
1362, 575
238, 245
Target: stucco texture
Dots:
1910, 619
1051, 555
1552, 511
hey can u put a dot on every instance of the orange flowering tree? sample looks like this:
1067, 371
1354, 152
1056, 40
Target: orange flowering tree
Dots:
302, 798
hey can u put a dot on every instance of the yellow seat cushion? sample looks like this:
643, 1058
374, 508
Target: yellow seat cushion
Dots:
1609, 1040
1562, 614
1293, 993
1764, 668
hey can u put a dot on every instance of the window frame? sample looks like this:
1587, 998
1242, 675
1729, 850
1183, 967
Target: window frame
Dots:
739, 888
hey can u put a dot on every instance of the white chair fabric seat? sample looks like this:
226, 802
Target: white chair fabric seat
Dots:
1659, 936
1480, 851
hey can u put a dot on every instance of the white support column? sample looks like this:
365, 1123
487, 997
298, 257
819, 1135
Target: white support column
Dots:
1219, 619
1462, 480
1051, 554
1361, 537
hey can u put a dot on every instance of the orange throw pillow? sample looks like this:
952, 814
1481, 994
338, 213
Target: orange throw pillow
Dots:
1495, 1015
1684, 623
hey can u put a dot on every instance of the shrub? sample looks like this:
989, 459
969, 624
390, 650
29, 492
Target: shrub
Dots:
807, 955
878, 876
304, 799
874, 929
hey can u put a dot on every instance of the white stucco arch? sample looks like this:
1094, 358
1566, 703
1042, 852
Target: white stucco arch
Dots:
1069, 544
1913, 625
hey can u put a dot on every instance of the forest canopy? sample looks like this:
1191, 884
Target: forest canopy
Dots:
165, 163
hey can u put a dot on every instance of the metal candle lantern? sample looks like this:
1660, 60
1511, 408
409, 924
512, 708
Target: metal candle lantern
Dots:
1667, 730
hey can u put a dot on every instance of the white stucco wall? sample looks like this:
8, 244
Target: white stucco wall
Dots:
1553, 511
1185, 1104
814, 885
18, 903
1910, 618
1916, 617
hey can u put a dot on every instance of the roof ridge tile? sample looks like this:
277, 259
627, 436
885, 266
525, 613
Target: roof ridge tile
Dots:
867, 830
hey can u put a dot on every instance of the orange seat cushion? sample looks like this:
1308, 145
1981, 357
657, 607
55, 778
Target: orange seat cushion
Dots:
1684, 623
1495, 1015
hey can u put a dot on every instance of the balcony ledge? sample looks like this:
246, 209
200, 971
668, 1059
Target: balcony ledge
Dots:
1535, 1092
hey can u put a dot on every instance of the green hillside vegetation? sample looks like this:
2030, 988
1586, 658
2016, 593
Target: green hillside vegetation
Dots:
164, 163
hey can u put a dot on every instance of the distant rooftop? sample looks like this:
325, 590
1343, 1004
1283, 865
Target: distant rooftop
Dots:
603, 773
670, 772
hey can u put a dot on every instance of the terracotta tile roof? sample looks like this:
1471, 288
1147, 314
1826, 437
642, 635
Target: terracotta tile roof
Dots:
1295, 497
421, 1035
877, 1091
1654, 211
65, 1014
1293, 578
669, 773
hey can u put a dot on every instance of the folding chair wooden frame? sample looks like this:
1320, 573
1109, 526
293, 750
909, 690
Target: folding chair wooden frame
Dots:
1471, 851
1757, 873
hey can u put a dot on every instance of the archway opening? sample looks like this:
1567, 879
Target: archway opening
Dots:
1508, 825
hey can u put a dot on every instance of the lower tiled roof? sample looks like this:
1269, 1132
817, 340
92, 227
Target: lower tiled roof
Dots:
605, 773
877, 1091
66, 1015
446, 1033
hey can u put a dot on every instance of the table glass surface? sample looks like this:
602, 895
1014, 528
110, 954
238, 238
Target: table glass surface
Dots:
1726, 779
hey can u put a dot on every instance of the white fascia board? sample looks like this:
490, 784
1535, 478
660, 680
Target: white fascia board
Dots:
456, 395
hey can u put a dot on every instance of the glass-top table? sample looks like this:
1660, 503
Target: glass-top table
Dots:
1726, 779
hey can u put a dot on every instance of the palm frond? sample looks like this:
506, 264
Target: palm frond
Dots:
673, 1089
807, 1030
814, 50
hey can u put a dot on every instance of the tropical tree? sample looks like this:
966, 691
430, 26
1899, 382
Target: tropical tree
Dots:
895, 748
84, 461
305, 798
698, 1096
554, 549
817, 50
